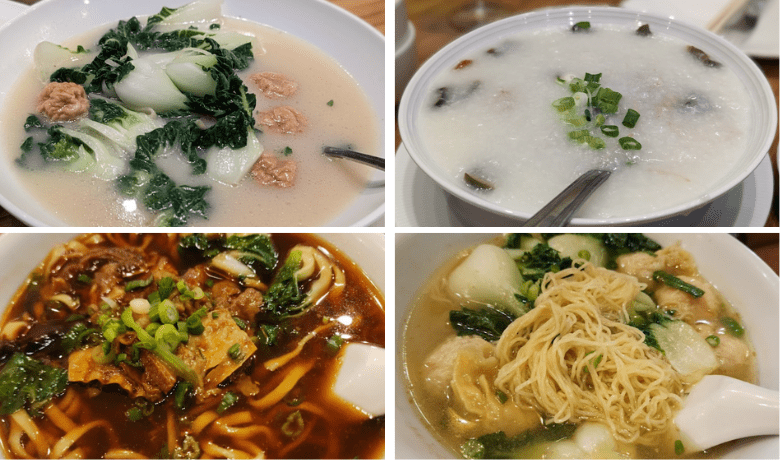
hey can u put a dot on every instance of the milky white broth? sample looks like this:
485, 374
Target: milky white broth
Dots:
508, 131
323, 188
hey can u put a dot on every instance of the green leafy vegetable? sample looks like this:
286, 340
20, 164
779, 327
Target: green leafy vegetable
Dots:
488, 323
285, 297
499, 445
30, 384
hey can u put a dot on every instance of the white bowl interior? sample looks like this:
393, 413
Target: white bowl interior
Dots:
745, 280
759, 139
362, 56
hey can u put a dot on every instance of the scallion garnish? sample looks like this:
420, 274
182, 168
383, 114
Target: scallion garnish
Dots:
334, 343
294, 425
713, 340
610, 130
168, 312
136, 284
82, 278
227, 401
629, 143
596, 143
632, 116
234, 352
676, 283
563, 104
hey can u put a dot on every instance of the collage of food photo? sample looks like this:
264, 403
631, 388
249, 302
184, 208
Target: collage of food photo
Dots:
209, 209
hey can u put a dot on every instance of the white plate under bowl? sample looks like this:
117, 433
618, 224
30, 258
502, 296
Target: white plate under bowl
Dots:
744, 279
362, 56
759, 139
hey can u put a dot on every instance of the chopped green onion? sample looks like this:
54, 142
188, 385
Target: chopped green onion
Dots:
152, 328
501, 396
679, 449
596, 143
713, 340
234, 352
632, 116
676, 283
134, 414
629, 143
227, 401
194, 323
334, 343
582, 26
136, 284
240, 323
610, 130
167, 335
563, 104
215, 315
584, 254
294, 425
578, 85
600, 120
82, 278
575, 120
181, 394
168, 312
582, 135
330, 103
287, 151
732, 326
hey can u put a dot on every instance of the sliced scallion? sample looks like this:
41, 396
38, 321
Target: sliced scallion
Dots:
732, 326
629, 143
563, 104
632, 116
610, 130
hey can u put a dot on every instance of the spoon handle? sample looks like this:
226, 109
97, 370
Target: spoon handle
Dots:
370, 160
558, 212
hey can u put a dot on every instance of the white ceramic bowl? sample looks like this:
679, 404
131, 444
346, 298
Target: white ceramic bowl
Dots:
760, 137
353, 43
743, 278
22, 252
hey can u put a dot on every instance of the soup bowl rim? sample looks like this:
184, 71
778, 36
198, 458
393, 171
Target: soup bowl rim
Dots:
43, 21
417, 92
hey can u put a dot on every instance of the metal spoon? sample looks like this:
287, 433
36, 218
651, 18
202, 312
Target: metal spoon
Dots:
370, 160
559, 211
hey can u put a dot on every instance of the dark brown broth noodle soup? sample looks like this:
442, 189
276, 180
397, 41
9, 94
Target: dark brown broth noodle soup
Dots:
187, 346
568, 346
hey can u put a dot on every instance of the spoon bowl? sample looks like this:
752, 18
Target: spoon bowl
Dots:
721, 409
559, 211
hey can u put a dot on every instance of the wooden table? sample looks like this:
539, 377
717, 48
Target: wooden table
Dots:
434, 32
371, 11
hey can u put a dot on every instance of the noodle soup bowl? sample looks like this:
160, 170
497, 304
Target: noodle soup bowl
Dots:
745, 280
441, 166
361, 57
22, 252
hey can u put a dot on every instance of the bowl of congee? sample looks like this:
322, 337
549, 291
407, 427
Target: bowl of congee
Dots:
507, 116
196, 113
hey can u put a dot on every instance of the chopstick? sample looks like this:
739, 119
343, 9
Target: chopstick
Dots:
724, 15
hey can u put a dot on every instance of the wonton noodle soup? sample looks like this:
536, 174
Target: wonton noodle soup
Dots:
576, 375
253, 377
